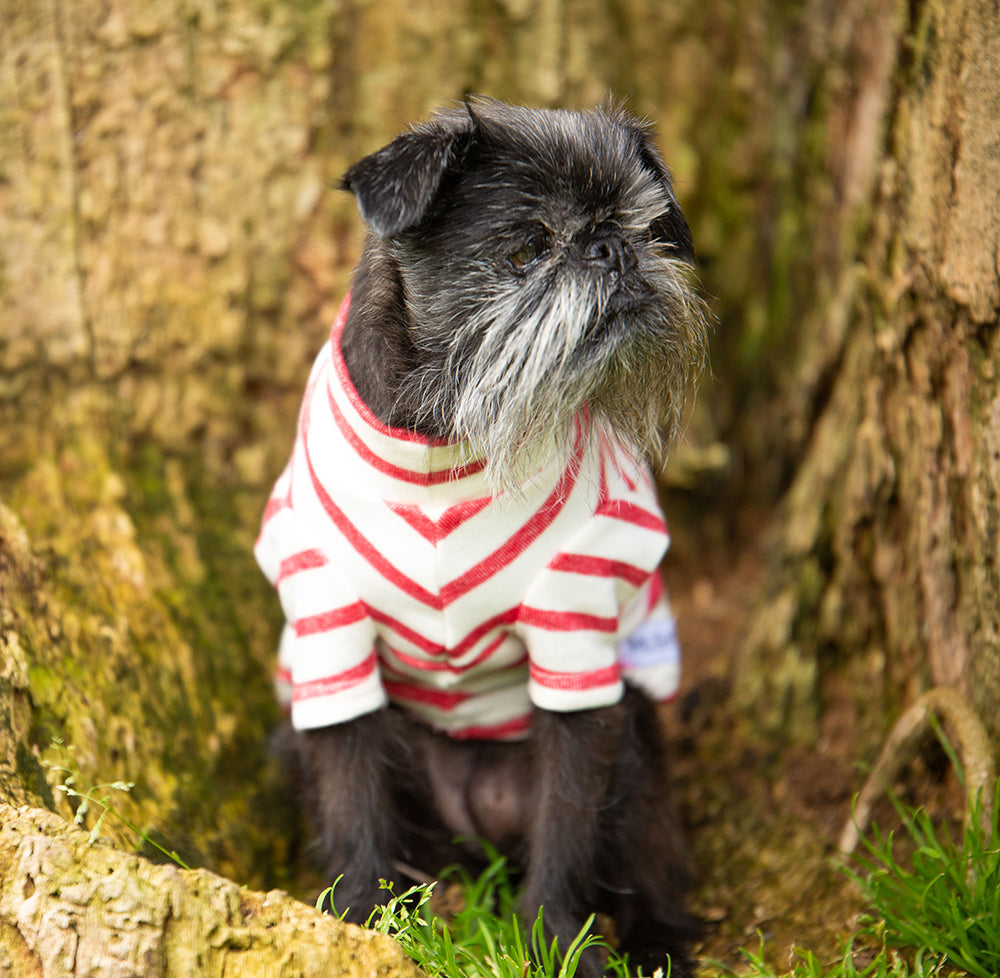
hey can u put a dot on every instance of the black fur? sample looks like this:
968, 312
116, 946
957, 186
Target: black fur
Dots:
463, 199
395, 185
583, 807
485, 215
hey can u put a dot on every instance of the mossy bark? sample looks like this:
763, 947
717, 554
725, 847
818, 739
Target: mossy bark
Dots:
887, 554
171, 257
70, 906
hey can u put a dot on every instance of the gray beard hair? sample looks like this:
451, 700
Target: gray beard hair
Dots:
517, 372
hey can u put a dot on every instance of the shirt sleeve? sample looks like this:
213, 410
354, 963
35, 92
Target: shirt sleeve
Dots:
648, 651
327, 664
583, 606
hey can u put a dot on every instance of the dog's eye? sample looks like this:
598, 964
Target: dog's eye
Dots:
532, 249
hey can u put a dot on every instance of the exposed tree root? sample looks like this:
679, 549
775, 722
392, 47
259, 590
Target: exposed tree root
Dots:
909, 734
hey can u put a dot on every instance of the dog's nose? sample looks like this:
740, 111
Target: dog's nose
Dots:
610, 252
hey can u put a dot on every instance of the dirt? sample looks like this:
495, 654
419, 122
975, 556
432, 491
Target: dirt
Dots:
762, 820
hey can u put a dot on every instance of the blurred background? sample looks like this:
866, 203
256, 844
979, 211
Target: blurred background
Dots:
173, 250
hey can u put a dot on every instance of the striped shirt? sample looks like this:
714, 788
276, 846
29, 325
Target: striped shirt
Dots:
403, 579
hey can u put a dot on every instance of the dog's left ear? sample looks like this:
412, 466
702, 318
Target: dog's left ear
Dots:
396, 184
670, 228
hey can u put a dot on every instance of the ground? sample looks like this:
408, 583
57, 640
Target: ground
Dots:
762, 822
763, 819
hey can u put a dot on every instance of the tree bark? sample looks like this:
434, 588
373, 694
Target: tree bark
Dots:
170, 262
887, 548
69, 906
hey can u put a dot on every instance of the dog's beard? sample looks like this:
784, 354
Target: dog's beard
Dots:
509, 373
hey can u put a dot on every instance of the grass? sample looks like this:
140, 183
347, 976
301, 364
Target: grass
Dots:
939, 906
99, 796
946, 896
936, 910
484, 937
885, 964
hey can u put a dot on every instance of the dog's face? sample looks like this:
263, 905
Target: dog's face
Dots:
545, 265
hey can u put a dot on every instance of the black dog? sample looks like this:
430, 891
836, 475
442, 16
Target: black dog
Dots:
466, 538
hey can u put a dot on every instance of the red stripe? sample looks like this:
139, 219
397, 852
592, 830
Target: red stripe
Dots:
443, 665
567, 621
628, 512
414, 477
621, 509
329, 620
357, 540
634, 467
489, 649
604, 494
411, 635
392, 673
335, 684
348, 387
364, 547
273, 507
502, 557
445, 656
509, 551
420, 522
498, 731
434, 531
599, 567
454, 516
593, 679
440, 699
303, 560
307, 400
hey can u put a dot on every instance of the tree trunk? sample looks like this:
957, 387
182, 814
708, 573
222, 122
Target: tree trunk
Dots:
887, 549
170, 262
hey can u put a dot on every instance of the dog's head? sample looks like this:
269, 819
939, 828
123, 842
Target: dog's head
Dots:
545, 267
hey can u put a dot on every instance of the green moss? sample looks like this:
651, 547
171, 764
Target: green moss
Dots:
149, 637
32, 774
225, 612
46, 686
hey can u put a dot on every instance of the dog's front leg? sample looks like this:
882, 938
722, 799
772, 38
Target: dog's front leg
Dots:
349, 767
574, 754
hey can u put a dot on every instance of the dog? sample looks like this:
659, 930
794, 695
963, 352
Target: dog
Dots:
466, 538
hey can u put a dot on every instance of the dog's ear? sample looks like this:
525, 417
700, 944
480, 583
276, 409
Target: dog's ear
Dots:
670, 228
396, 184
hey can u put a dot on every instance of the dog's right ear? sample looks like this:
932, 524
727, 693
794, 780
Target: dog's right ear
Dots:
396, 184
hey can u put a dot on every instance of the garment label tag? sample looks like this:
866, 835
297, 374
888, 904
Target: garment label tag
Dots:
652, 643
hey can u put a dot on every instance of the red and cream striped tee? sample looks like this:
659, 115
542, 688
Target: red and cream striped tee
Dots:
403, 579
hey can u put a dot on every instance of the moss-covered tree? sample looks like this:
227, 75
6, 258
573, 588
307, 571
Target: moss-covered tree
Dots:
171, 256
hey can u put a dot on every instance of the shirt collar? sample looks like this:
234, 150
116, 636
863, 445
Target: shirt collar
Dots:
396, 454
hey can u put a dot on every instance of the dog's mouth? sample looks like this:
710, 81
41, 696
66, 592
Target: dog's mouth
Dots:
632, 292
618, 317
